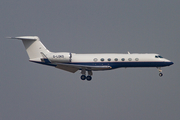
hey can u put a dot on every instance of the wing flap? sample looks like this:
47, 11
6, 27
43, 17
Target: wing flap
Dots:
67, 68
74, 67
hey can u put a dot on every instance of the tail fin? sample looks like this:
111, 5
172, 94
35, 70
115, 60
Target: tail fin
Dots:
33, 46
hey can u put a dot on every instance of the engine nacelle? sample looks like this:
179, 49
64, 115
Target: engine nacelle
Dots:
59, 57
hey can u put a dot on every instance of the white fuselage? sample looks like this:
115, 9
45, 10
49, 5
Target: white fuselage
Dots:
107, 60
113, 57
120, 60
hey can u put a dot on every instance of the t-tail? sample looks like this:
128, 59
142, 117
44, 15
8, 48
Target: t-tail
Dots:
34, 48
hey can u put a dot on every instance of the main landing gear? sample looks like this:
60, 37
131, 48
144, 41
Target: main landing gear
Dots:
83, 76
160, 72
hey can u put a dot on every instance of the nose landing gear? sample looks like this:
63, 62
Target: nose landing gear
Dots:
160, 72
83, 76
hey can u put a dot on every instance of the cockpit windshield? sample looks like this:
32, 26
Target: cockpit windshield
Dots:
158, 56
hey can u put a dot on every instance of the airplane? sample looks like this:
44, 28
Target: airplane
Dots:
87, 63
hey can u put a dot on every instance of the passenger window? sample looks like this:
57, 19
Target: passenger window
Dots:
137, 59
116, 59
123, 59
95, 59
130, 59
102, 59
109, 59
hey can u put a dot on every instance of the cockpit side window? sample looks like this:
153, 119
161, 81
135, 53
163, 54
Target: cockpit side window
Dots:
160, 56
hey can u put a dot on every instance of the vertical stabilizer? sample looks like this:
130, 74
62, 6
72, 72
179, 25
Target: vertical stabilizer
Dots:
33, 46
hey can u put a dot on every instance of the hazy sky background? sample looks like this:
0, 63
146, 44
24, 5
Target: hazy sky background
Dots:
31, 91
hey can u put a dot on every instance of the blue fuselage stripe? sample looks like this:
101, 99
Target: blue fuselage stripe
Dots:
115, 64
125, 64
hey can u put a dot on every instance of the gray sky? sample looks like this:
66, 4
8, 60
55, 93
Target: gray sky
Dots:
34, 92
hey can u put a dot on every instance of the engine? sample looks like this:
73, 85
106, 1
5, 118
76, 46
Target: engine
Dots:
61, 57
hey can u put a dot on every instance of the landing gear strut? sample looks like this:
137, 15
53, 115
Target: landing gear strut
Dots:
160, 72
83, 76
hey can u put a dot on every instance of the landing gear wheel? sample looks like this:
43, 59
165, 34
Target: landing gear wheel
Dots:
89, 78
160, 74
83, 77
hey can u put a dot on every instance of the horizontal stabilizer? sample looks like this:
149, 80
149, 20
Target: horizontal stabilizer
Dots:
24, 38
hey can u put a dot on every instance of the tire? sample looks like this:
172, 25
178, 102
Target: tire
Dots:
89, 78
160, 74
83, 77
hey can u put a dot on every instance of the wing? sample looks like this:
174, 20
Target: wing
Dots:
74, 67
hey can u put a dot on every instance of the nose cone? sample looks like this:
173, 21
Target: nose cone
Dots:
168, 62
171, 63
